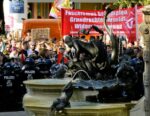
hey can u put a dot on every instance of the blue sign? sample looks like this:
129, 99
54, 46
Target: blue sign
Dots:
16, 6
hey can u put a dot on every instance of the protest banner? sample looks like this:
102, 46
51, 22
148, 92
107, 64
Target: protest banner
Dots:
121, 21
40, 33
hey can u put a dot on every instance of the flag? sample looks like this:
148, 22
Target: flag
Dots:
56, 8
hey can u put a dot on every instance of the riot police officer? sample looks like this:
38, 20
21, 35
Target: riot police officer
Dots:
29, 70
11, 91
43, 66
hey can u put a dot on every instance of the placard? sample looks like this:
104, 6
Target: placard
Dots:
40, 33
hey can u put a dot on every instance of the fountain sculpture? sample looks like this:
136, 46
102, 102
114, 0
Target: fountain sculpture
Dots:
115, 80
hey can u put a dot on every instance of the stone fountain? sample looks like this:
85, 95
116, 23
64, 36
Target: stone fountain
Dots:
42, 92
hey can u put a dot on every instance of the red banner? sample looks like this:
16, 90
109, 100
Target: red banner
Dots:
122, 22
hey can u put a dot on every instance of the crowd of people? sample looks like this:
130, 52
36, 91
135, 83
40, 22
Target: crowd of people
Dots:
13, 49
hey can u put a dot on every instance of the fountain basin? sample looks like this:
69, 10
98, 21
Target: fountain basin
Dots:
42, 92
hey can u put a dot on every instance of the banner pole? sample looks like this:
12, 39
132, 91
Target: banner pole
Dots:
136, 23
59, 27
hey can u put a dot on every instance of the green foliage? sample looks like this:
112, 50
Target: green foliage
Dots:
130, 3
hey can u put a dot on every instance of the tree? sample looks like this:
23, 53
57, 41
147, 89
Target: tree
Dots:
130, 3
2, 21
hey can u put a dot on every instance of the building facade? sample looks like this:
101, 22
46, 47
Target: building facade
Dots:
42, 7
16, 10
